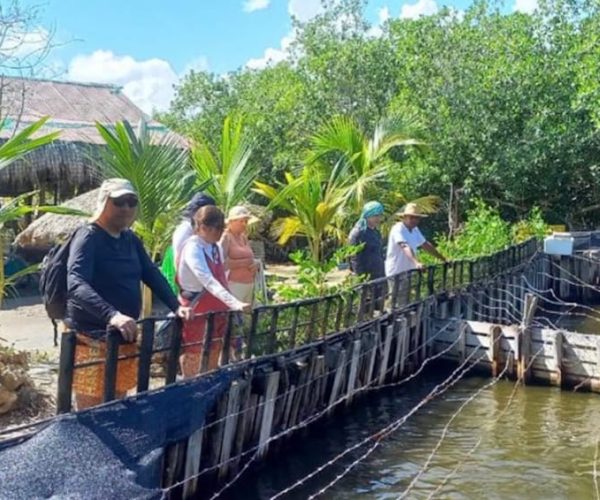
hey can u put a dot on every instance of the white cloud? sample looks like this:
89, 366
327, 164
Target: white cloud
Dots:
420, 8
383, 14
149, 83
252, 5
305, 10
18, 44
526, 6
273, 56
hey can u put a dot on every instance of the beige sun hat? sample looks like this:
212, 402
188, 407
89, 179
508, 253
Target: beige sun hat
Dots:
241, 212
411, 209
111, 188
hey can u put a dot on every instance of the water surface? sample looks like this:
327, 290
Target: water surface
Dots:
539, 445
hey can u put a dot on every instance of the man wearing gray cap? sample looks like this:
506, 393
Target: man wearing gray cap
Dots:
107, 263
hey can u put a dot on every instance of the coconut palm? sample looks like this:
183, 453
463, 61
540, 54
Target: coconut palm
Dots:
228, 169
160, 172
361, 163
312, 202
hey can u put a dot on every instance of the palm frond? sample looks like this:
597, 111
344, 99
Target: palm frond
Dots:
22, 142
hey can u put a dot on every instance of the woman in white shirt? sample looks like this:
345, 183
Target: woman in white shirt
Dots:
201, 278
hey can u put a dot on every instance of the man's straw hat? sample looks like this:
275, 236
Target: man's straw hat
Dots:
411, 209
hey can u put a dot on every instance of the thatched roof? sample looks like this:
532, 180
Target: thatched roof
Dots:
74, 108
50, 229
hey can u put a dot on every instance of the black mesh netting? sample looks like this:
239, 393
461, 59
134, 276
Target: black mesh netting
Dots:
113, 451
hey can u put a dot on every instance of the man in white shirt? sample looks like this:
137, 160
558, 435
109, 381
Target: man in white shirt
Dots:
404, 240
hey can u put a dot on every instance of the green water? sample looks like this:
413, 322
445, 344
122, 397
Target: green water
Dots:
541, 444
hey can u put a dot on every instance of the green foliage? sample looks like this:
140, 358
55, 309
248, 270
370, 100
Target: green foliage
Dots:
312, 204
227, 172
485, 232
510, 102
23, 142
532, 227
160, 173
314, 277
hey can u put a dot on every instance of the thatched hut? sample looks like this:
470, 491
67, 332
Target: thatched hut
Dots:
66, 167
50, 229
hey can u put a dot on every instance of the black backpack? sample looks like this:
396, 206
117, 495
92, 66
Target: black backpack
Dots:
53, 282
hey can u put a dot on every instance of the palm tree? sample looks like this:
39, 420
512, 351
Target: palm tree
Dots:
360, 163
312, 202
12, 150
228, 169
160, 173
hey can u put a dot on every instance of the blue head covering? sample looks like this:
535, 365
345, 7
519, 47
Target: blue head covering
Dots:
198, 201
370, 209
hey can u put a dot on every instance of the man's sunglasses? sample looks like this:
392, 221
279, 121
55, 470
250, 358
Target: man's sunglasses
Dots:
121, 202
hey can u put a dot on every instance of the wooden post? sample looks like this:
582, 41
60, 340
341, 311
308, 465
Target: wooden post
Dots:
525, 336
556, 377
375, 337
207, 342
145, 355
387, 345
462, 327
65, 372
337, 381
192, 462
353, 370
267, 417
174, 351
233, 402
400, 333
495, 349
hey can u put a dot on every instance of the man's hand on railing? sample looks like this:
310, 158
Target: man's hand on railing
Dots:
126, 325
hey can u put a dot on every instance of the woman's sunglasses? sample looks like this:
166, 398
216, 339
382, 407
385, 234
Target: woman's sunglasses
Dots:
130, 201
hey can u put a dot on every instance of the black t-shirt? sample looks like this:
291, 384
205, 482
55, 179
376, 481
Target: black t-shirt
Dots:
370, 260
104, 276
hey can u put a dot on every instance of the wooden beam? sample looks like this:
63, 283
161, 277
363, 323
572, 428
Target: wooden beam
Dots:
267, 417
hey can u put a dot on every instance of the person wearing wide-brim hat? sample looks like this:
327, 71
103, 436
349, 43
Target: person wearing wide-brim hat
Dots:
240, 263
405, 239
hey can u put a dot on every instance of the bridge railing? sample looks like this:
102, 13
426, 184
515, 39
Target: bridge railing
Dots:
232, 337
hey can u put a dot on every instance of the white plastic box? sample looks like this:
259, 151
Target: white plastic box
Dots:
559, 244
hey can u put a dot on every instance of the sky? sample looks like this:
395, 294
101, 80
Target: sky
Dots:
147, 46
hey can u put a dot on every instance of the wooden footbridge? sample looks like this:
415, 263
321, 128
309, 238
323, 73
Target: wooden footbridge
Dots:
292, 364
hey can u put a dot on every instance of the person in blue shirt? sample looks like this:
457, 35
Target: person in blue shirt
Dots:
107, 264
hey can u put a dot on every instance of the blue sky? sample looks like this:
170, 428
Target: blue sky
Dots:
146, 46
